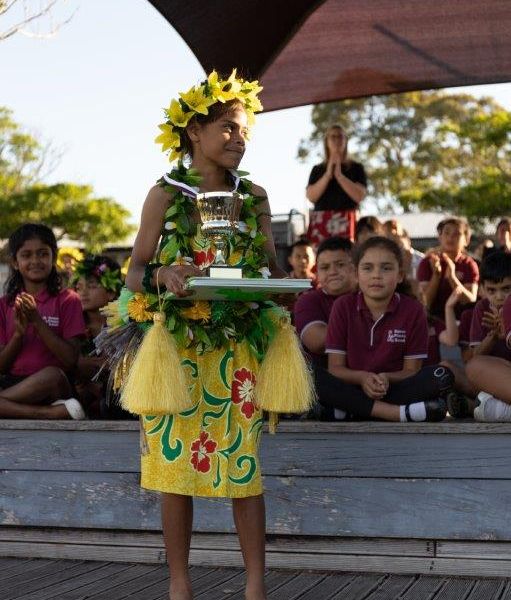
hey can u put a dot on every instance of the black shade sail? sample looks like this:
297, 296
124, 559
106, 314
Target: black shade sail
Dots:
306, 52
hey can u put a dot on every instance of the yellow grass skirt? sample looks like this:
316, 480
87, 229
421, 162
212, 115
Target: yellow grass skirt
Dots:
211, 449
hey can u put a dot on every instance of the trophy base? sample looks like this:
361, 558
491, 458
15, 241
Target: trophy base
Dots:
226, 272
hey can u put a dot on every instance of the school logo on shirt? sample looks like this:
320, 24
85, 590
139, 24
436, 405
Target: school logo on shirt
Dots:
460, 275
396, 336
51, 321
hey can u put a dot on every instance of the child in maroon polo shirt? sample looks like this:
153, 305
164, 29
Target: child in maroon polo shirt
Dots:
490, 336
443, 270
376, 342
40, 328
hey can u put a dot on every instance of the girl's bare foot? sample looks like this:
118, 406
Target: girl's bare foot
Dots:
255, 592
181, 591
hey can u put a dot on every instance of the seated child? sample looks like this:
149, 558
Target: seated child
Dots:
451, 333
447, 268
301, 260
487, 332
335, 276
376, 342
40, 330
367, 227
97, 279
493, 375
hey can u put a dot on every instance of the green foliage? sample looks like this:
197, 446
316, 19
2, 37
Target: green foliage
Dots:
70, 209
427, 150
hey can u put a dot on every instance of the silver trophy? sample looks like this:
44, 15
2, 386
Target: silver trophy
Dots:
220, 213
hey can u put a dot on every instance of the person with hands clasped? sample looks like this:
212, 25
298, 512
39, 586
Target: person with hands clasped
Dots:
40, 330
447, 268
336, 187
376, 341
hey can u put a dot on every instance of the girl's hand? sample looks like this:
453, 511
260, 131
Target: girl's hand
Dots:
20, 320
29, 307
434, 261
174, 278
451, 267
330, 168
384, 379
454, 297
372, 386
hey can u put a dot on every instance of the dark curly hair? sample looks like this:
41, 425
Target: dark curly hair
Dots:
30, 231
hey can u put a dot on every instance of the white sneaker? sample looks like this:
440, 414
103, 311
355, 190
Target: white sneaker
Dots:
491, 409
73, 407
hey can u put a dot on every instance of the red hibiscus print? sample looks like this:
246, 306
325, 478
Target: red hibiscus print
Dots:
243, 388
200, 450
203, 258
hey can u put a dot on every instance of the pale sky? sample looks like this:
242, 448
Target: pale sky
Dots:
97, 88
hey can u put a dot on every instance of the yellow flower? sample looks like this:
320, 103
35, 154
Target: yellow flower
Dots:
168, 137
177, 115
174, 155
199, 311
234, 258
138, 308
112, 314
197, 100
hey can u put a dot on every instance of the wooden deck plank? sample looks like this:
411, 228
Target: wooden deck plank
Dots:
330, 585
105, 576
391, 588
376, 427
160, 589
11, 569
424, 588
506, 594
487, 589
455, 589
225, 589
47, 577
131, 585
297, 586
321, 506
359, 587
288, 454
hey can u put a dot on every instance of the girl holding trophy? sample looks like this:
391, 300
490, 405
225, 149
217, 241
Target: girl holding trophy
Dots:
200, 373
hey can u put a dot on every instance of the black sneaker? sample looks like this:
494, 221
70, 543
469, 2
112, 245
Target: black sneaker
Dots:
436, 410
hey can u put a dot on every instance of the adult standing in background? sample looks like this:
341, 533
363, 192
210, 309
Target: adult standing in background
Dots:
336, 188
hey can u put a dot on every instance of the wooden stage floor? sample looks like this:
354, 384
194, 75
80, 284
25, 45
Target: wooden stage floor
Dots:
40, 579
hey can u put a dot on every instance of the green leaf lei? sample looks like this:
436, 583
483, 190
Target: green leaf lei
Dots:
210, 325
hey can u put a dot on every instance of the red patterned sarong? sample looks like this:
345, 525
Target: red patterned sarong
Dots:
324, 224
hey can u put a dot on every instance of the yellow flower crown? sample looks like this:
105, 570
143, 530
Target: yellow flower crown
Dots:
197, 100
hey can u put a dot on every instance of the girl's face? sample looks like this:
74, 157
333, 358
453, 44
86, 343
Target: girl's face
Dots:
378, 274
222, 142
34, 261
92, 294
452, 238
336, 140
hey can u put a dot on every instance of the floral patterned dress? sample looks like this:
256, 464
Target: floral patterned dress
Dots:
211, 449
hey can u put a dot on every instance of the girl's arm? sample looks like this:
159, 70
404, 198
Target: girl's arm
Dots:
429, 289
10, 351
314, 191
469, 291
450, 336
371, 384
410, 367
356, 191
67, 351
264, 220
144, 249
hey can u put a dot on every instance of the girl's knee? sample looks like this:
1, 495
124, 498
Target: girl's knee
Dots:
55, 377
443, 376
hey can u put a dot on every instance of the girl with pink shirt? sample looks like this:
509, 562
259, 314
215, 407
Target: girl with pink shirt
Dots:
40, 329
